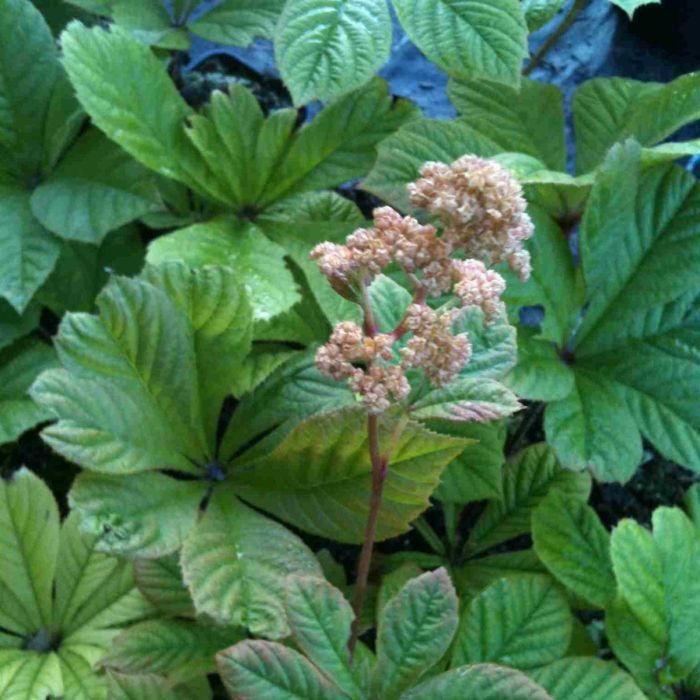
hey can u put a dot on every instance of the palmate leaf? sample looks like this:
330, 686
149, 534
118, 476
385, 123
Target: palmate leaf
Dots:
523, 622
30, 675
468, 38
238, 22
318, 477
160, 582
415, 630
327, 47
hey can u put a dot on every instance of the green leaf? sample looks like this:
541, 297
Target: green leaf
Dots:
29, 543
657, 579
148, 515
13, 325
469, 38
529, 121
150, 22
257, 669
467, 400
539, 12
235, 564
320, 619
29, 252
528, 477
129, 96
475, 474
629, 6
591, 430
522, 622
415, 630
20, 364
238, 22
327, 47
96, 188
393, 582
573, 544
30, 675
480, 573
132, 399
402, 154
153, 687
29, 68
586, 678
79, 678
608, 110
257, 261
160, 582
319, 476
389, 301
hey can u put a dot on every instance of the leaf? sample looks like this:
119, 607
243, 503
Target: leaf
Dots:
235, 564
657, 579
522, 622
319, 476
13, 325
389, 301
28, 70
95, 189
415, 630
585, 678
529, 121
79, 678
147, 687
257, 261
160, 582
591, 430
238, 22
479, 682
468, 400
528, 477
29, 252
149, 515
401, 155
29, 675
468, 38
327, 47
150, 22
393, 582
475, 474
539, 12
629, 6
129, 96
573, 544
257, 669
320, 618
609, 110
20, 364
29, 544
135, 393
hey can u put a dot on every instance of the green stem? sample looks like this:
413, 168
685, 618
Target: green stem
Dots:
451, 513
429, 535
557, 34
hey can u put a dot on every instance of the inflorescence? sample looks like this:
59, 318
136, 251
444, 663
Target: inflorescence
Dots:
482, 211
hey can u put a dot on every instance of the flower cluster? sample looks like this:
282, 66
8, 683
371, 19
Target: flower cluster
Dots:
481, 206
483, 212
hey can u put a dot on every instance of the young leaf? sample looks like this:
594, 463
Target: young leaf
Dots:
319, 476
415, 630
469, 38
529, 476
327, 47
235, 564
320, 619
238, 22
30, 675
522, 622
479, 682
575, 547
257, 669
586, 678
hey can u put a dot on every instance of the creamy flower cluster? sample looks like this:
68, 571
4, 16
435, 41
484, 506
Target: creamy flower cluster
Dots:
482, 208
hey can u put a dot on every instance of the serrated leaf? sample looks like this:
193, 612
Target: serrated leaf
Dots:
256, 260
327, 47
467, 400
148, 515
13, 325
20, 364
389, 301
539, 12
238, 22
320, 618
150, 22
29, 675
523, 622
273, 671
528, 477
95, 189
479, 682
319, 476
586, 678
572, 542
529, 121
235, 564
468, 38
401, 155
152, 687
415, 630
393, 582
160, 582
29, 251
